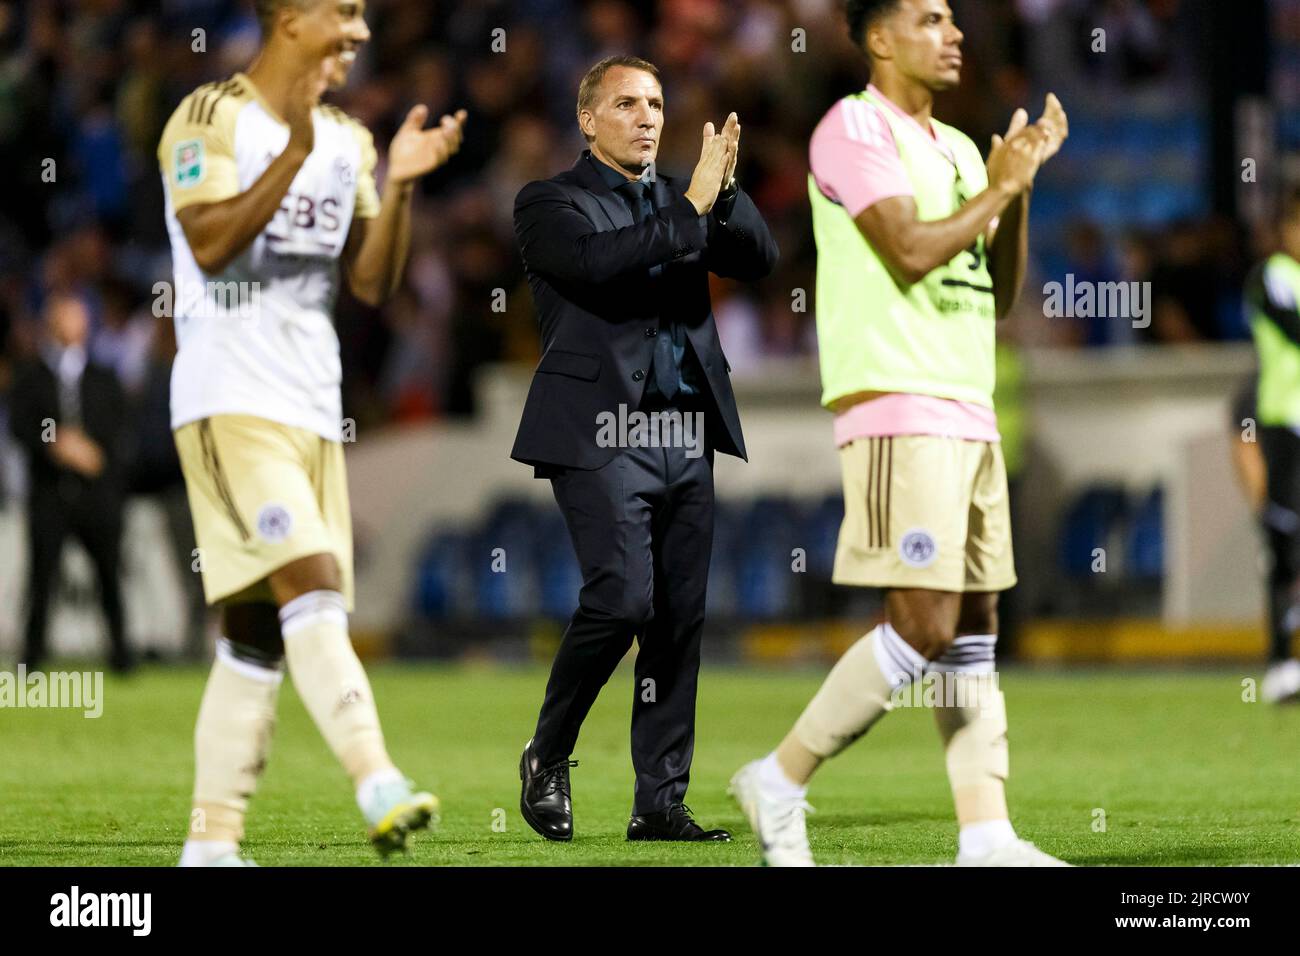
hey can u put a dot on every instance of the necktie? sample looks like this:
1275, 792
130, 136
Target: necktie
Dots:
638, 191
69, 376
665, 363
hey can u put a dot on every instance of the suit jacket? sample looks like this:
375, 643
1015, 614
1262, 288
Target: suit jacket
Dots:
35, 398
588, 265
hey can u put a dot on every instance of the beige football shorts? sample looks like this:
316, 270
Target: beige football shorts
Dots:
922, 511
262, 495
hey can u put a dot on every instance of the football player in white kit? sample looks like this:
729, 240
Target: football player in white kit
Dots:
270, 199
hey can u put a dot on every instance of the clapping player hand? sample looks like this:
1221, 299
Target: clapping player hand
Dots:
717, 160
1055, 124
1019, 120
303, 99
416, 151
1016, 157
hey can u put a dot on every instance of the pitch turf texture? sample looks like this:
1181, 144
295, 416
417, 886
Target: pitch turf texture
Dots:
1183, 770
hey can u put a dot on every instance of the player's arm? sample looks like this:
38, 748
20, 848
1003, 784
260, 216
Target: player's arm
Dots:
1252, 471
912, 249
217, 232
1247, 457
1008, 246
377, 246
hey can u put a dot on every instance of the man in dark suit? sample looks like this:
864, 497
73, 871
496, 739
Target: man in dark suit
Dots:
618, 259
69, 415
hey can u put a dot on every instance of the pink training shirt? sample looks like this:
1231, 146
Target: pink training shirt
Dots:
855, 162
900, 413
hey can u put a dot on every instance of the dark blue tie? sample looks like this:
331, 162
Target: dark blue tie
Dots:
639, 198
665, 363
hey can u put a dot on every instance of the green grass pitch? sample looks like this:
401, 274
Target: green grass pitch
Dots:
1184, 771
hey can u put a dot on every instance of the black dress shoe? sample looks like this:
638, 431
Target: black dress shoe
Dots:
675, 823
544, 800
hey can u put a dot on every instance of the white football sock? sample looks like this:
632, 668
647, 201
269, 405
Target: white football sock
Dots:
968, 654
773, 778
232, 737
857, 692
981, 839
898, 660
331, 681
372, 782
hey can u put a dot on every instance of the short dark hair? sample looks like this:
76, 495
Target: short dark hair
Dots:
862, 13
265, 10
591, 82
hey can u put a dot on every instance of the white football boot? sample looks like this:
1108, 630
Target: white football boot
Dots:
778, 821
201, 854
1281, 682
394, 810
1016, 853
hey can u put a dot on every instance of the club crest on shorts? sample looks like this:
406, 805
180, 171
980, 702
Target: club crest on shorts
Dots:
917, 548
274, 523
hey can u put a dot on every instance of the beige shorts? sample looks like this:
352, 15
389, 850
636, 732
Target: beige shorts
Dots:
922, 511
262, 495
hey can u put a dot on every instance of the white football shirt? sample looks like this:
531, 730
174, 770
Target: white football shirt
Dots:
258, 337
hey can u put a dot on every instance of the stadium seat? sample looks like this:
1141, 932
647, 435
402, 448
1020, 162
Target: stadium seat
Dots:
505, 581
765, 583
1091, 523
1146, 542
821, 532
443, 586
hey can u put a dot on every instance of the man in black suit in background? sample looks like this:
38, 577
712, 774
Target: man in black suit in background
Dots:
69, 415
618, 259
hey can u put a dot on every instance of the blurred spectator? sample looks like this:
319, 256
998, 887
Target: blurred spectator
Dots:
155, 467
1185, 287
69, 416
1089, 262
85, 86
124, 339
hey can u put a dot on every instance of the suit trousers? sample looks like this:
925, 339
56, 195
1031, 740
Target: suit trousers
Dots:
642, 528
96, 521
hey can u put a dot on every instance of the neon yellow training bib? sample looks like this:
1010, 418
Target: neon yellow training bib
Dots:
935, 337
1279, 356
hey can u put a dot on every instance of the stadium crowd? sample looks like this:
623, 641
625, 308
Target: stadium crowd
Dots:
85, 87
